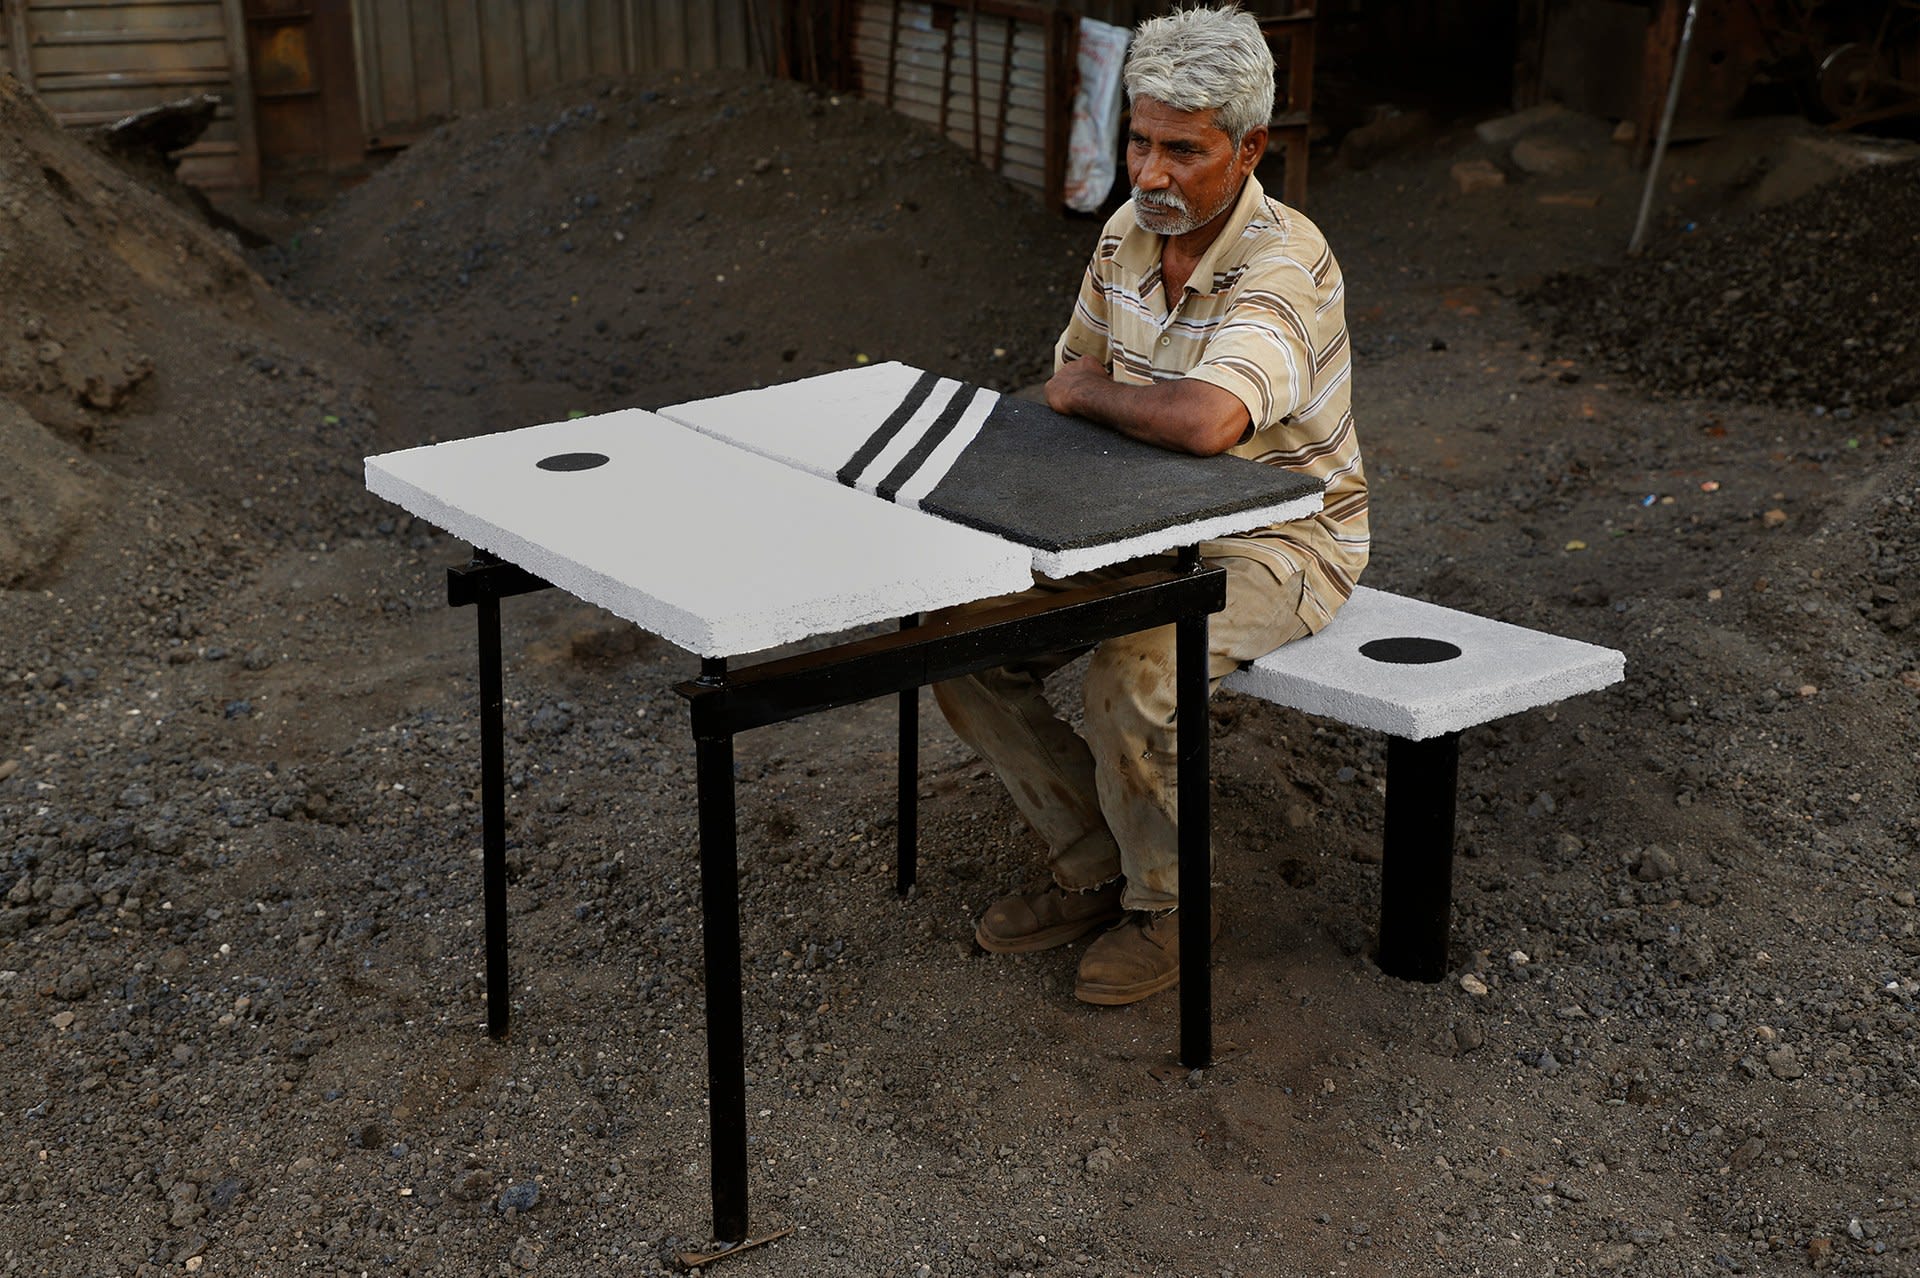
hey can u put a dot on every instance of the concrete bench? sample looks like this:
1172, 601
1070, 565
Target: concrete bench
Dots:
1422, 674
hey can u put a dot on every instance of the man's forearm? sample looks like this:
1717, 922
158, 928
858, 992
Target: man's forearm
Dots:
1184, 415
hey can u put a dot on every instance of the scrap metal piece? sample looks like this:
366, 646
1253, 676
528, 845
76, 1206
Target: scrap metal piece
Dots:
697, 1259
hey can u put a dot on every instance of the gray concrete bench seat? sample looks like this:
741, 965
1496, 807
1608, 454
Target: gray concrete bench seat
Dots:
1422, 674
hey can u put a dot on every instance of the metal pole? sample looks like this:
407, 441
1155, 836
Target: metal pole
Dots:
908, 845
720, 928
493, 815
1416, 864
1666, 128
1195, 833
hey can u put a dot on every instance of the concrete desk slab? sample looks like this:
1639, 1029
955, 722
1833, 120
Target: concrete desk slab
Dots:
708, 546
1077, 495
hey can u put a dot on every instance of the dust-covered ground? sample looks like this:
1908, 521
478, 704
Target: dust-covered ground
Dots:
239, 905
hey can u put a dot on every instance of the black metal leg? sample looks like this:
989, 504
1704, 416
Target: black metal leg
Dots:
1416, 868
493, 816
1196, 868
909, 821
720, 923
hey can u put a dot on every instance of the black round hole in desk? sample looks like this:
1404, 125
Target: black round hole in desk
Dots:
572, 461
1409, 651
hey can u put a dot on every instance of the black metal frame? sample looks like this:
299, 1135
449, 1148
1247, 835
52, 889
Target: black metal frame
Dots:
724, 703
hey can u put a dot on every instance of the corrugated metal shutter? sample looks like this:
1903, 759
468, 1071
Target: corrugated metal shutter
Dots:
424, 61
95, 61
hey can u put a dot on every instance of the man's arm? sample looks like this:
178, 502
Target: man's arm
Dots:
1187, 415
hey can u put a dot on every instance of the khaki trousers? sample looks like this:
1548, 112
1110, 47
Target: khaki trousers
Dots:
1106, 803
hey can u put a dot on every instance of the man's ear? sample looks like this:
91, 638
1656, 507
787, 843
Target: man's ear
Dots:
1252, 147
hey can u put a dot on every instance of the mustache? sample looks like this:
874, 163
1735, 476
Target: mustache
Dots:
1159, 201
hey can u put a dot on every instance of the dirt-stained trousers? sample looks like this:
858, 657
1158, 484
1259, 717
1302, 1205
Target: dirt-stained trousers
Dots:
1106, 803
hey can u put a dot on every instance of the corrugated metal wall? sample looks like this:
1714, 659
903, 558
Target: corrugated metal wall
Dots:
424, 61
95, 61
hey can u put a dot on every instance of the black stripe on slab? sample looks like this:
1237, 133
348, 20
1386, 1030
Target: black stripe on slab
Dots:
917, 456
880, 438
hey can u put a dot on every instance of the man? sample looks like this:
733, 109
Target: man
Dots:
1210, 320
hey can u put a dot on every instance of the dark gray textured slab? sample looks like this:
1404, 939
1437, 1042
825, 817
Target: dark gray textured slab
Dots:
1060, 483
1078, 496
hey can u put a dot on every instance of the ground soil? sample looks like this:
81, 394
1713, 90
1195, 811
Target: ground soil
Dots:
239, 900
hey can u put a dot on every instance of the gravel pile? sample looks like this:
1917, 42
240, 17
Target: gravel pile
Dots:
1809, 303
622, 244
241, 989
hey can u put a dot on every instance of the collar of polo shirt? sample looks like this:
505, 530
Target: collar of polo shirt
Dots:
1139, 249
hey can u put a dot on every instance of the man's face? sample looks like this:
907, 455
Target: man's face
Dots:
1184, 169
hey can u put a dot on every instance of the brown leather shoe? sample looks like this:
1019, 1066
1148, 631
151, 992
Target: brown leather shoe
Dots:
1050, 916
1138, 958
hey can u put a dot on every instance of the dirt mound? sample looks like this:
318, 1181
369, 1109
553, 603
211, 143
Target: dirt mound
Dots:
83, 244
643, 242
140, 337
1808, 303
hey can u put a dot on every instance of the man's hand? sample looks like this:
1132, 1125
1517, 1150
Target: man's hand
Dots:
1186, 415
1064, 394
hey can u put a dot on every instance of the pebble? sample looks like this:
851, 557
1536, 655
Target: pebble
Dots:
75, 983
472, 1185
1654, 864
1782, 1062
520, 1196
1473, 985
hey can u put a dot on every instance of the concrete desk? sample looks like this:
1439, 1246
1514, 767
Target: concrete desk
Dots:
667, 527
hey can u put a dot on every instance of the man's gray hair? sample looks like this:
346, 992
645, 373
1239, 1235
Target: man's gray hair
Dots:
1205, 60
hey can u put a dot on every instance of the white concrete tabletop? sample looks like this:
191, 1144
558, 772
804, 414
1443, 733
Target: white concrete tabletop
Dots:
711, 547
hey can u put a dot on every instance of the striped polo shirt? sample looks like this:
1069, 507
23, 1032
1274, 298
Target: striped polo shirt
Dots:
1263, 317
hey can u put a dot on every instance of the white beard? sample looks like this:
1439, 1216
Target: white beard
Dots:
1164, 213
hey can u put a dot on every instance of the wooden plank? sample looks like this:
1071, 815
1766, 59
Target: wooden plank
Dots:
366, 22
397, 66
20, 41
125, 20
1031, 83
198, 32
200, 56
1028, 66
703, 48
919, 50
64, 5
240, 68
1021, 134
121, 94
670, 35
538, 49
733, 43
466, 63
430, 68
573, 41
503, 32
607, 39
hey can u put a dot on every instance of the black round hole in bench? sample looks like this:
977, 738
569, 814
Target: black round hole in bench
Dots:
572, 461
1409, 651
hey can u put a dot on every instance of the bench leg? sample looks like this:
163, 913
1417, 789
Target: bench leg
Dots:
1416, 867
